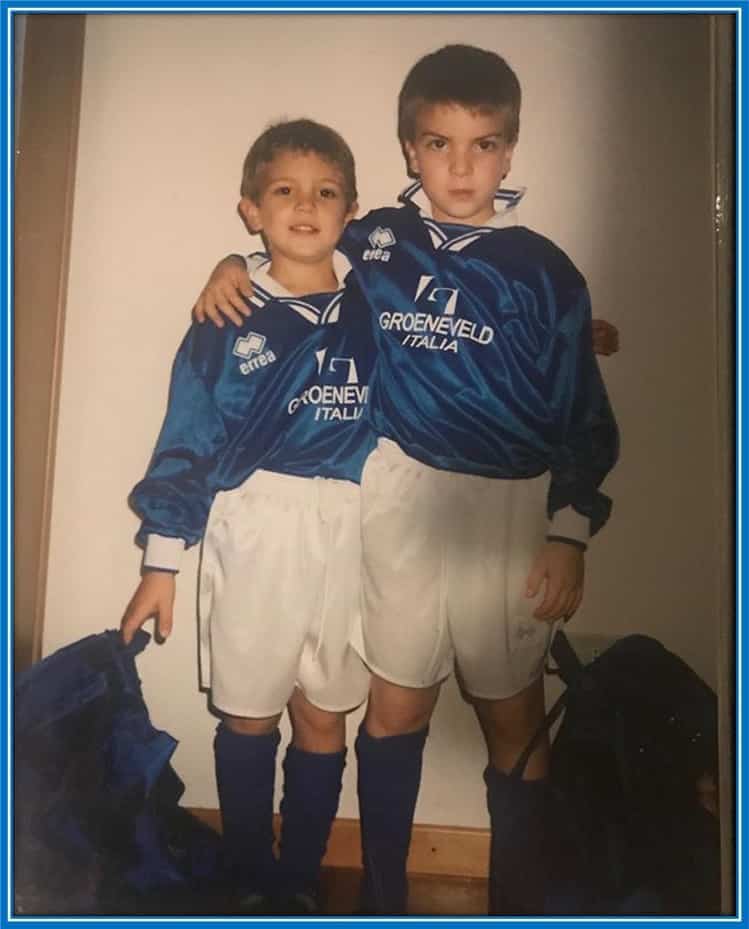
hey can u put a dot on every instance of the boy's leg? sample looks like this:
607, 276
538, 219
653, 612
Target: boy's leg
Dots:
389, 749
518, 808
509, 724
331, 680
499, 527
245, 757
406, 645
261, 587
313, 772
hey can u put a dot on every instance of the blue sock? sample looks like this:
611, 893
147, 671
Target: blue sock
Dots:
245, 775
312, 787
388, 785
517, 863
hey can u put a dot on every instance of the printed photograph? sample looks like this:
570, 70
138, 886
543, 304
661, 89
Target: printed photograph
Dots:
373, 444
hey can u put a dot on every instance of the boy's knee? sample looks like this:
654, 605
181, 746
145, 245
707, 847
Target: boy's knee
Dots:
394, 710
315, 730
246, 725
508, 726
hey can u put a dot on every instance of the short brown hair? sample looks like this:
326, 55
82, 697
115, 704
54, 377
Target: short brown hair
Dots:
463, 74
298, 135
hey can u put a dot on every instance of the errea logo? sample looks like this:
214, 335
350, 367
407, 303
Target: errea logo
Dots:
251, 347
380, 239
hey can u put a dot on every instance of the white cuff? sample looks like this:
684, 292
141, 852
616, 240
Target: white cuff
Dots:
569, 524
163, 552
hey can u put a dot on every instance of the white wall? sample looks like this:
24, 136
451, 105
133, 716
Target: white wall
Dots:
614, 148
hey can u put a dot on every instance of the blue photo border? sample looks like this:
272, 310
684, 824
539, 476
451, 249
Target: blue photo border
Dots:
11, 9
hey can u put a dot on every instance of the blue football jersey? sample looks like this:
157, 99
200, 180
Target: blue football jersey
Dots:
327, 431
485, 362
286, 391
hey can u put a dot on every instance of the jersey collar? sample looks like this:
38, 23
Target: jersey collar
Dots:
505, 202
265, 288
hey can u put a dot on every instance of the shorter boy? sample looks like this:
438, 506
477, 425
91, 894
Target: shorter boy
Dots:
260, 454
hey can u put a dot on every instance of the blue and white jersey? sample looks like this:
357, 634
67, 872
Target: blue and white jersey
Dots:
328, 433
286, 391
485, 362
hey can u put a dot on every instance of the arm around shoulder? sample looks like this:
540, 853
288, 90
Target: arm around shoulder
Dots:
225, 294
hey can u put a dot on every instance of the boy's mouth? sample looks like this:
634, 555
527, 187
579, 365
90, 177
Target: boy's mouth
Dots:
461, 192
304, 228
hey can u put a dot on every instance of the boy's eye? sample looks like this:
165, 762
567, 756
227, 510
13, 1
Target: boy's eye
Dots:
328, 193
284, 190
437, 144
487, 145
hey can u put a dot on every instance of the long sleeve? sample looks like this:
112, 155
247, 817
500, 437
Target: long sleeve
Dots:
589, 439
175, 496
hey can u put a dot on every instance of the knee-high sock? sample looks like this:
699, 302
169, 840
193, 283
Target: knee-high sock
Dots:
388, 785
517, 865
245, 775
311, 790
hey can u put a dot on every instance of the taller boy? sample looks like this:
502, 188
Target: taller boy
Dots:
478, 503
483, 490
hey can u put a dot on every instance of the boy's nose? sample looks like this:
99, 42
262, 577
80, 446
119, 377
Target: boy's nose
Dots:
460, 164
305, 202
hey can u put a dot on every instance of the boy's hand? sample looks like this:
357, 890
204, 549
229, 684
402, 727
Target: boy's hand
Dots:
153, 598
223, 293
562, 567
605, 337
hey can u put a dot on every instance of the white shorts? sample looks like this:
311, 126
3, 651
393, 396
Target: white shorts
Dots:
445, 559
279, 594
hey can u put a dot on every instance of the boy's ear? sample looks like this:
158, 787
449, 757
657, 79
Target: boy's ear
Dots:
413, 161
351, 211
250, 214
509, 151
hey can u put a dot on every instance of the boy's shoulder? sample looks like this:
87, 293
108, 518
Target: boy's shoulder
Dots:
275, 327
523, 247
377, 226
514, 249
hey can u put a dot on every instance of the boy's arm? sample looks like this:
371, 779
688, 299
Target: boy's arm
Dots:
224, 293
229, 284
585, 454
228, 289
588, 443
560, 568
154, 598
175, 496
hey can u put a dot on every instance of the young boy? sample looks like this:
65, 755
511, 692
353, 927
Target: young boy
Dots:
478, 503
260, 454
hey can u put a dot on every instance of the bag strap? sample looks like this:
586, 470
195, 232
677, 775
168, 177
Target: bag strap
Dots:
546, 724
569, 668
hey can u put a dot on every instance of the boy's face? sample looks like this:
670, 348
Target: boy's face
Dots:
461, 156
301, 209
